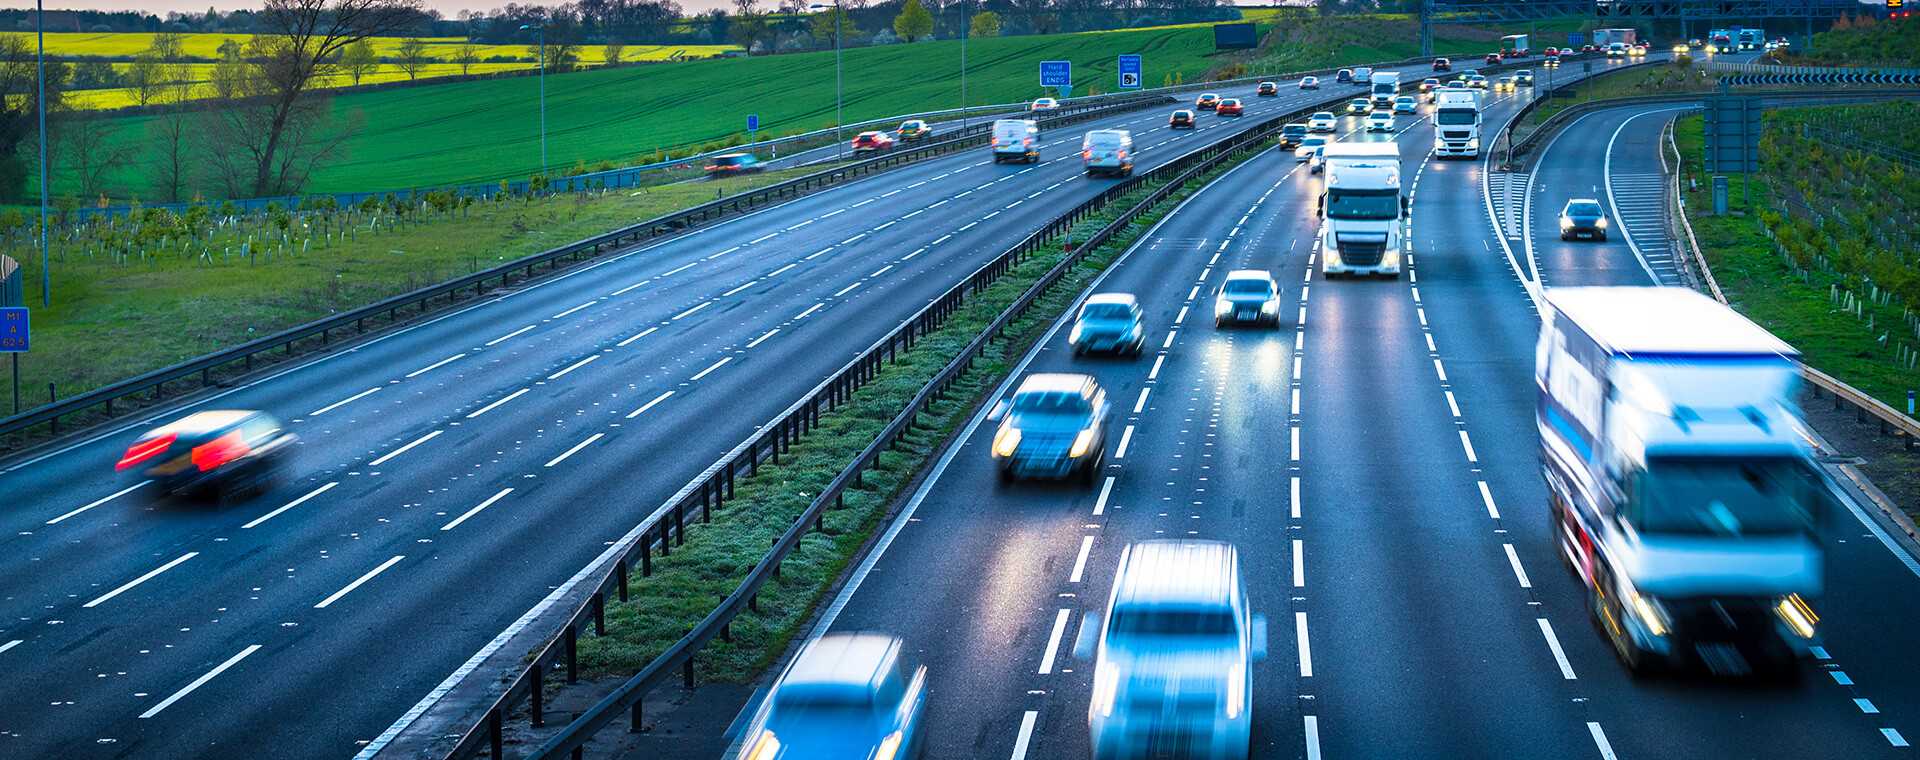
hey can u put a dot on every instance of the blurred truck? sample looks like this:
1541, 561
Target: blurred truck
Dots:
1682, 491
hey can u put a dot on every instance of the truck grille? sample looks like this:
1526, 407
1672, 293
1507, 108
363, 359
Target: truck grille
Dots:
1455, 134
1362, 250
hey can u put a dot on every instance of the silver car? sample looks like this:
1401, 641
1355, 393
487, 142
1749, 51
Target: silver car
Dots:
1108, 323
1173, 655
1054, 426
845, 695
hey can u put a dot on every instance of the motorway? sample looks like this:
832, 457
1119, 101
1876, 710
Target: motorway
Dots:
1376, 462
452, 474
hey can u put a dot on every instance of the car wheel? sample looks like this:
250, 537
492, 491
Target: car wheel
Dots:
1602, 237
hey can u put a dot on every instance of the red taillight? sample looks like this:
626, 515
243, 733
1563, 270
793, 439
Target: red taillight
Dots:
1086, 153
212, 454
145, 450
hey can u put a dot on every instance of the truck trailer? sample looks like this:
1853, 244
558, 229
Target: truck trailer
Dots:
1605, 37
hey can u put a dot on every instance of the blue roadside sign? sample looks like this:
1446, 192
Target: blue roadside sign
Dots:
1573, 39
13, 330
1056, 73
1130, 72
753, 121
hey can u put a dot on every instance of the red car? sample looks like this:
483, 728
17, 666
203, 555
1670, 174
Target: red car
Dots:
1588, 48
872, 142
1230, 107
1553, 51
1493, 58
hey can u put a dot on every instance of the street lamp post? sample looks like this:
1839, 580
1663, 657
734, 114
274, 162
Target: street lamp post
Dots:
966, 22
838, 92
541, 30
46, 271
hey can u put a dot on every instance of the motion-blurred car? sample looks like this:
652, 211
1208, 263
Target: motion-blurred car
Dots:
1309, 83
1695, 44
729, 164
1553, 51
1230, 107
1181, 119
1492, 58
1292, 134
872, 142
1380, 121
1589, 48
1583, 217
218, 454
914, 130
1505, 84
1523, 77
1247, 296
1173, 654
1429, 84
1207, 102
1311, 152
1405, 104
1053, 426
1016, 140
1478, 82
1107, 151
1442, 64
1551, 63
1044, 104
1343, 76
845, 695
1108, 323
1322, 121
1267, 89
1359, 106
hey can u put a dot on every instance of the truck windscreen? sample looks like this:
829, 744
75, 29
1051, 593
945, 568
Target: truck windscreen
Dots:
1723, 496
1457, 117
1363, 204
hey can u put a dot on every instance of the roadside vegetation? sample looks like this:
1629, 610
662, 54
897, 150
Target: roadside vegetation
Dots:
1680, 76
1863, 40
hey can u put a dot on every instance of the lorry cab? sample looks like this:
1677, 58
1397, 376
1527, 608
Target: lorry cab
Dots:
1016, 140
1361, 210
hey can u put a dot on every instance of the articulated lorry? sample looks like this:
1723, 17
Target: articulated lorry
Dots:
1456, 120
1604, 37
1750, 39
1682, 491
1361, 210
1386, 85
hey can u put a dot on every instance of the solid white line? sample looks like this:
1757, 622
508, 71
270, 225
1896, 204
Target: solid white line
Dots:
289, 505
201, 681
845, 290
743, 286
343, 402
810, 310
1600, 740
1553, 643
649, 405
762, 338
1126, 437
572, 367
10, 645
99, 501
1053, 642
1294, 497
142, 579
1299, 565
490, 407
636, 336
1306, 650
1467, 443
1518, 571
434, 366
1142, 403
356, 583
681, 315
1487, 496
1079, 563
710, 368
476, 510
403, 449
509, 335
1312, 731
574, 309
1154, 373
1026, 734
1100, 504
576, 448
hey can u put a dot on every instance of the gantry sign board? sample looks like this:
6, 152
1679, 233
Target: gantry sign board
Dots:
1733, 134
1130, 72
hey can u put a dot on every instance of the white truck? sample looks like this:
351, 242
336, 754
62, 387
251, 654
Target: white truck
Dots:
1751, 39
1361, 210
1385, 85
1681, 490
1456, 120
1605, 37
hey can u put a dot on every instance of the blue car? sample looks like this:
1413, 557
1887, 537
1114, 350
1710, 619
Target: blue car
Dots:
847, 695
1054, 427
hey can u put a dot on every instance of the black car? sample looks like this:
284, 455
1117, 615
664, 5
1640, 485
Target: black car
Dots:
1343, 76
1291, 135
214, 453
1583, 217
1268, 90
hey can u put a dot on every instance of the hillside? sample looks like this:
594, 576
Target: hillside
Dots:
1864, 41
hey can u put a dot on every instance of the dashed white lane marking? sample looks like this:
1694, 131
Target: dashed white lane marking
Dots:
854, 239
1893, 737
511, 334
492, 406
1467, 443
1452, 405
1299, 565
743, 286
916, 252
636, 336
1100, 504
968, 226
722, 253
1312, 731
679, 269
201, 681
816, 254
384, 458
1518, 571
1487, 496
1168, 343
863, 203
1293, 448
1053, 641
798, 226
711, 367
763, 337
149, 575
344, 401
835, 212
1154, 374
289, 505
1306, 650
649, 405
782, 270
1553, 643
1126, 437
1142, 402
574, 309
571, 367
476, 509
99, 501
357, 582
1840, 677
1439, 370
880, 227
1182, 316
845, 290
881, 271
1025, 736
1866, 705
620, 292
690, 312
941, 239
576, 448
810, 310
1293, 494
1079, 562
434, 366
9, 645
1600, 741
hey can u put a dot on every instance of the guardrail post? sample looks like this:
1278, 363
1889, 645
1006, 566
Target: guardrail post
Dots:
600, 611
730, 467
679, 524
706, 501
633, 727
620, 569
666, 535
573, 654
646, 555
537, 695
493, 734
686, 672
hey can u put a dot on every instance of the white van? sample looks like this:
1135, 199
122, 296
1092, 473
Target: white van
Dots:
1363, 75
1016, 140
1107, 151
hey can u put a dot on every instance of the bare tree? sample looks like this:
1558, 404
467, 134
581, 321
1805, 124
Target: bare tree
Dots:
147, 77
19, 114
92, 152
170, 154
467, 55
412, 57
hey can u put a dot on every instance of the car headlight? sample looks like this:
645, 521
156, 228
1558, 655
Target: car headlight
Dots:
1565, 224
1236, 690
1651, 613
1602, 223
1221, 307
1270, 306
1798, 615
1073, 336
889, 747
1081, 443
1006, 442
765, 747
1106, 685
1135, 331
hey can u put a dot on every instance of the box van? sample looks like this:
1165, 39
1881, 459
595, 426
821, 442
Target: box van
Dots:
1107, 151
1016, 140
1363, 75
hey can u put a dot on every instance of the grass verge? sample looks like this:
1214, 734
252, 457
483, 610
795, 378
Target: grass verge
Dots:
1658, 79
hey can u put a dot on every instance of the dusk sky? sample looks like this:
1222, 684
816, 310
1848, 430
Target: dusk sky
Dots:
160, 7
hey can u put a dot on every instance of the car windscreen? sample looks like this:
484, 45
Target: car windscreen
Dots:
1293, 129
1724, 496
1583, 209
730, 160
1314, 141
1161, 620
1249, 287
1456, 116
1050, 411
1107, 312
1363, 204
1103, 140
1323, 115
